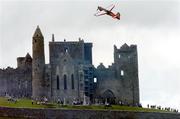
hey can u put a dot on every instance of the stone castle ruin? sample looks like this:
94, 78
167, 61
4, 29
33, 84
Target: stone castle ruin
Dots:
70, 75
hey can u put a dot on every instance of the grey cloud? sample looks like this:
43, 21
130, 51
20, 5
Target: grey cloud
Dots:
151, 13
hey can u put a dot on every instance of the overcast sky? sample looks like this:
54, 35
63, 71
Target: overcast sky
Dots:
153, 25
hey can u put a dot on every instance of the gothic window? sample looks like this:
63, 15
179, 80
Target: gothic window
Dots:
57, 82
119, 56
95, 80
72, 81
65, 82
65, 49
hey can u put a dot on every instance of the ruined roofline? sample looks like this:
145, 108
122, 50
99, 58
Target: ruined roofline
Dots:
28, 56
20, 58
102, 66
64, 41
8, 68
69, 42
11, 71
126, 47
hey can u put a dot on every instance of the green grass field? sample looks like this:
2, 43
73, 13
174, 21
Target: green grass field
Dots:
26, 103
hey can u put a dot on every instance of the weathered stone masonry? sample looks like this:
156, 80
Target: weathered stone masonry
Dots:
70, 73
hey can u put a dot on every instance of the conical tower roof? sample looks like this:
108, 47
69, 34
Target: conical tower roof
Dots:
38, 33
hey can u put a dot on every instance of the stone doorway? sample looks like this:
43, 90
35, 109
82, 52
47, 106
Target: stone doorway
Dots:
108, 96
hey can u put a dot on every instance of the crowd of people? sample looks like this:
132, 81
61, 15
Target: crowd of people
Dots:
43, 100
162, 108
11, 99
127, 104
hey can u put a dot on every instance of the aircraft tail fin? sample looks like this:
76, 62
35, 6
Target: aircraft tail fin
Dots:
118, 15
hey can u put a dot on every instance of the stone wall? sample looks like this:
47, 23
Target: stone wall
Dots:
121, 78
81, 114
16, 82
63, 86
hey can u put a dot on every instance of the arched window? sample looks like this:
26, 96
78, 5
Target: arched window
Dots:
119, 56
65, 49
95, 80
57, 82
122, 72
72, 81
65, 82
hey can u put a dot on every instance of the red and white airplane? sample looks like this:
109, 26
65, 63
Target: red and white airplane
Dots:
103, 11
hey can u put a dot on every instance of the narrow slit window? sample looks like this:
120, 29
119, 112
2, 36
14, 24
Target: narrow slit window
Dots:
122, 73
57, 82
65, 82
119, 56
72, 81
95, 80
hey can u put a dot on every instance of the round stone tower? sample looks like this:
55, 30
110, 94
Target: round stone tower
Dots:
38, 65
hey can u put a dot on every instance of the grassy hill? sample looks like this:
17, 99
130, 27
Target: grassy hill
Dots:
26, 103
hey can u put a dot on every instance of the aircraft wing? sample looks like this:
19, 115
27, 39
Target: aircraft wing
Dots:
99, 13
112, 8
102, 12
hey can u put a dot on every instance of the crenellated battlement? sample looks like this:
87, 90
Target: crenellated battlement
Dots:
125, 48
